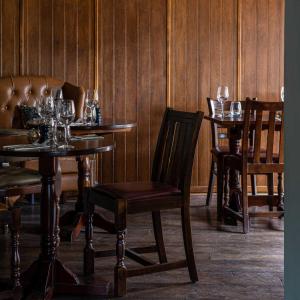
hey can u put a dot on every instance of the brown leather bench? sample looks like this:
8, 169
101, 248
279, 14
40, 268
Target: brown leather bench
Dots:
15, 90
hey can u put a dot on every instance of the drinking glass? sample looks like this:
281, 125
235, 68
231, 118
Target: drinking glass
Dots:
57, 93
282, 93
46, 110
91, 101
222, 96
235, 108
67, 115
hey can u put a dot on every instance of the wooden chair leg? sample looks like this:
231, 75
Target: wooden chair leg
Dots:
270, 180
253, 184
244, 195
280, 204
188, 244
120, 271
89, 252
211, 182
226, 187
220, 186
15, 257
156, 219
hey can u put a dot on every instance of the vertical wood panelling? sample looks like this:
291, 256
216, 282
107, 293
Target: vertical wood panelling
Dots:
106, 86
58, 39
262, 48
131, 87
262, 51
9, 37
202, 55
126, 48
132, 75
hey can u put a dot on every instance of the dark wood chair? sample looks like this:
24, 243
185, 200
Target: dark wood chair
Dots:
17, 182
260, 160
169, 188
12, 217
219, 142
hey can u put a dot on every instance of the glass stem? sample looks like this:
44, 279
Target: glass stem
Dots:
66, 133
222, 109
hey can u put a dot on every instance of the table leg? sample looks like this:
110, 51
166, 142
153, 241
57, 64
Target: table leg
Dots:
234, 183
40, 274
48, 275
75, 218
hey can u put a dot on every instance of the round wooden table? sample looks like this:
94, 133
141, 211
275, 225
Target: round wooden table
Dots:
73, 221
234, 127
48, 274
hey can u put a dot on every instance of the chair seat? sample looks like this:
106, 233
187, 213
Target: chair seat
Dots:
220, 150
137, 190
13, 176
139, 196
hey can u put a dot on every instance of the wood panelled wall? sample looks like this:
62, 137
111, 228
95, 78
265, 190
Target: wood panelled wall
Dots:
132, 78
144, 55
230, 42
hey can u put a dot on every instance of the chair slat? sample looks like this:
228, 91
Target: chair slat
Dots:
270, 137
257, 137
281, 140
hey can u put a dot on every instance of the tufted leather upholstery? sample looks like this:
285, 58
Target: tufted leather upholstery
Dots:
25, 89
15, 90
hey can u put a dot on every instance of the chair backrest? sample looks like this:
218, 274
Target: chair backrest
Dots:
269, 117
175, 149
15, 90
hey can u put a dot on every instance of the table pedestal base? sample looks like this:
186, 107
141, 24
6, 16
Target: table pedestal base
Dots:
47, 278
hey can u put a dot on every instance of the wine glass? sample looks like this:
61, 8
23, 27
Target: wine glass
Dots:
57, 93
222, 96
282, 93
91, 101
235, 108
67, 115
46, 109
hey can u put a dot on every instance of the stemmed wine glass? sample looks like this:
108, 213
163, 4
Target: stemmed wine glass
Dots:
222, 96
67, 115
91, 101
46, 109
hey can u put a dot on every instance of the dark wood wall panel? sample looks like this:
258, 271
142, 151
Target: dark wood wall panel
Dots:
58, 39
9, 37
132, 78
262, 48
262, 51
144, 55
202, 55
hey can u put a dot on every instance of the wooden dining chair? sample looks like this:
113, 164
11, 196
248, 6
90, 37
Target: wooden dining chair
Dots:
219, 142
169, 188
15, 182
260, 160
12, 217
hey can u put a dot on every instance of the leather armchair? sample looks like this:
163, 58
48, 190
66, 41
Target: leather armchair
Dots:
15, 90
